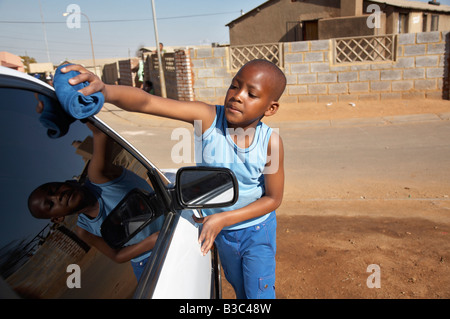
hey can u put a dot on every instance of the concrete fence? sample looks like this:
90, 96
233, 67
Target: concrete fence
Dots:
419, 68
212, 74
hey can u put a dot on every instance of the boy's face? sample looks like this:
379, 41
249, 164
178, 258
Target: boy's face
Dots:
249, 97
55, 200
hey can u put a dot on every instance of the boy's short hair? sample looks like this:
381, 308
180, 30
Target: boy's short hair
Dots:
277, 76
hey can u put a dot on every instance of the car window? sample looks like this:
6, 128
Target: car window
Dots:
40, 258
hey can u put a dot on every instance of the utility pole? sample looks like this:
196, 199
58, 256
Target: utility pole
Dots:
45, 32
92, 42
158, 51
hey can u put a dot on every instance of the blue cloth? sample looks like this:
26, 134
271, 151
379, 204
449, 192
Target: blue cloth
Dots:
218, 149
54, 118
248, 259
73, 102
109, 194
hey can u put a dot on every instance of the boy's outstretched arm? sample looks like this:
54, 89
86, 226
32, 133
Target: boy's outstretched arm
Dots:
271, 200
101, 168
121, 255
137, 100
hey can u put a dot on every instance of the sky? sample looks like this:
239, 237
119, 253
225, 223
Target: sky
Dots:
118, 28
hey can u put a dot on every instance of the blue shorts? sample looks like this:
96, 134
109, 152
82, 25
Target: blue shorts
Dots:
248, 259
138, 267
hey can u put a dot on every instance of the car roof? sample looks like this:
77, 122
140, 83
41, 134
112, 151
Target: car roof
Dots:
14, 79
25, 76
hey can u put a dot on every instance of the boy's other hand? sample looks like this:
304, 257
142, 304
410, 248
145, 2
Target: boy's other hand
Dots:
40, 104
212, 226
95, 84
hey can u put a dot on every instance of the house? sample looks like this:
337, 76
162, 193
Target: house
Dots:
304, 20
12, 61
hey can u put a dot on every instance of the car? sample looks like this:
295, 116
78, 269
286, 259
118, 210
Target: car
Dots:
42, 259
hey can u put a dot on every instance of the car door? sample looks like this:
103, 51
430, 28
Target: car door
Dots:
41, 259
38, 258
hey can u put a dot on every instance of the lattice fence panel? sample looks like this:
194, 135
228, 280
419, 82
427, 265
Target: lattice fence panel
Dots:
242, 54
364, 49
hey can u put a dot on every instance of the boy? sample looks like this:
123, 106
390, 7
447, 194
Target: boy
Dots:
245, 233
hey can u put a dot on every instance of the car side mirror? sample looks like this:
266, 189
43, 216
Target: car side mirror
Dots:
206, 187
133, 213
196, 187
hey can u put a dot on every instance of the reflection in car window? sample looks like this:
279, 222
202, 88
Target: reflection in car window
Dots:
35, 253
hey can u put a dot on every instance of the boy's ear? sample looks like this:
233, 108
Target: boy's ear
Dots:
272, 109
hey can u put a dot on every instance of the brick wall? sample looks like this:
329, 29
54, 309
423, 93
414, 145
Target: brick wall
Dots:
110, 73
177, 74
125, 75
169, 75
184, 75
44, 275
127, 72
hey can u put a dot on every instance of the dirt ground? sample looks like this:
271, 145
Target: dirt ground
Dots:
324, 248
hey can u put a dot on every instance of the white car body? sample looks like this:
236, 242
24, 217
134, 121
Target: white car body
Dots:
185, 267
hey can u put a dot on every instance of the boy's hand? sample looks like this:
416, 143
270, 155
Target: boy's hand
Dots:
95, 84
212, 226
40, 104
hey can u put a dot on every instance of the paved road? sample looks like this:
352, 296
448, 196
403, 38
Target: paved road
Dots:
362, 160
400, 158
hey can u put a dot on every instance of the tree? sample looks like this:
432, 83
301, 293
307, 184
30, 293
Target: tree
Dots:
26, 60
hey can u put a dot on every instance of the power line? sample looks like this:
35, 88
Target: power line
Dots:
125, 20
80, 53
56, 41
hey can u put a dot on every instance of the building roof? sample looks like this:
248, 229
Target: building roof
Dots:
395, 3
415, 5
11, 60
252, 10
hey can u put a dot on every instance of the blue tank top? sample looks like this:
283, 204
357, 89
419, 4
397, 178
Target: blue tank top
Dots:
217, 148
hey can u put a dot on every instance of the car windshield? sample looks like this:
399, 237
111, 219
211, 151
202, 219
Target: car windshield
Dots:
35, 252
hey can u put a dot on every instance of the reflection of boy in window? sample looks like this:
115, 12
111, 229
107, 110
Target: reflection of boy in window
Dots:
107, 184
